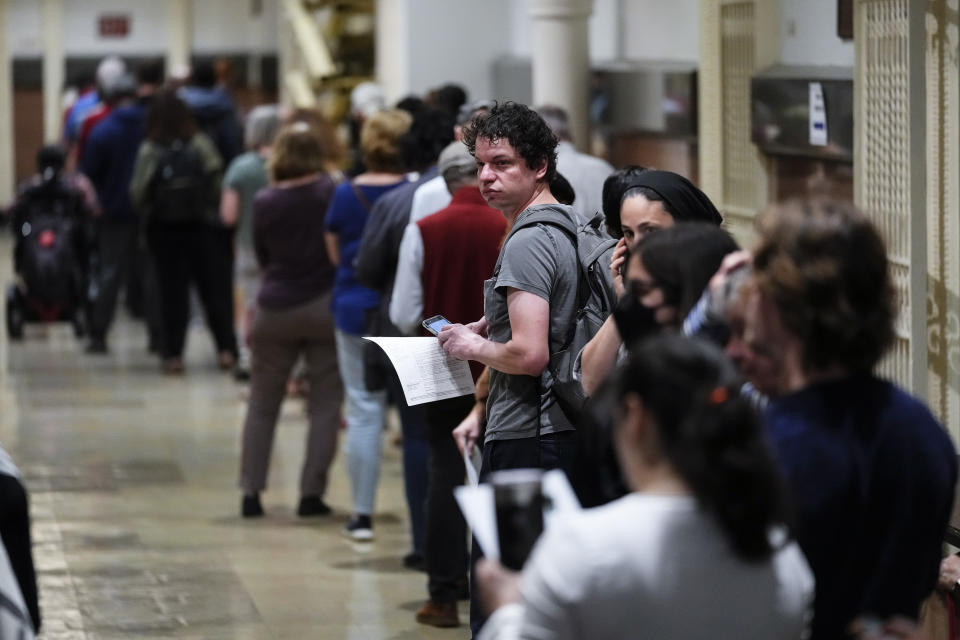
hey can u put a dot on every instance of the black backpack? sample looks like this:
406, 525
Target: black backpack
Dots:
595, 301
177, 191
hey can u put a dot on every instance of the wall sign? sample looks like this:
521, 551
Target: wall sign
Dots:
114, 25
818, 116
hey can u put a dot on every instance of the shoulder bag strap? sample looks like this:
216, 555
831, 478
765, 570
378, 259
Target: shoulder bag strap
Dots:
357, 191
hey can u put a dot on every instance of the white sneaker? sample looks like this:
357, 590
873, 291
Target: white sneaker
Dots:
359, 528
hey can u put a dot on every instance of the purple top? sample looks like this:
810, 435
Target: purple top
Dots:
288, 240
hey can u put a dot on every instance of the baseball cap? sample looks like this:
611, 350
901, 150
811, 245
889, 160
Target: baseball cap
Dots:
455, 156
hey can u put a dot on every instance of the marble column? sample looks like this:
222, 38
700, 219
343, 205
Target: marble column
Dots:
561, 61
53, 69
179, 27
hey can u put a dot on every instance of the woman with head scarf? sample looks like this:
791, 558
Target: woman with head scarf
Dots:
636, 203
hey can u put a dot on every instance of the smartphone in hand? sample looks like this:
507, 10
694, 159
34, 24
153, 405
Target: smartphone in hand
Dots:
434, 324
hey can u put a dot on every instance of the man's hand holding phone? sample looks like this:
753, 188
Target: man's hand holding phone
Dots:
435, 324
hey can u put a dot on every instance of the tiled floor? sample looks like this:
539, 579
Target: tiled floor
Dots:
136, 514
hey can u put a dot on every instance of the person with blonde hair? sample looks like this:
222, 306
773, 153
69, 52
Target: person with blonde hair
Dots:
292, 318
345, 221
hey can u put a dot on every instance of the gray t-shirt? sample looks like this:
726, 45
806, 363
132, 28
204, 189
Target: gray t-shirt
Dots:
541, 260
247, 174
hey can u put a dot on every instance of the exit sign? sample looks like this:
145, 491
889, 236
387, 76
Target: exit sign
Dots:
114, 25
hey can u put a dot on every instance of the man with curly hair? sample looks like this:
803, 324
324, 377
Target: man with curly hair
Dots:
530, 302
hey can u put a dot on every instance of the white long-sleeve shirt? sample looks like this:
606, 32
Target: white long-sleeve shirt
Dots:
406, 304
653, 566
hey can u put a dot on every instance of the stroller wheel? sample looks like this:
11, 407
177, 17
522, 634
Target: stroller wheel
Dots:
15, 315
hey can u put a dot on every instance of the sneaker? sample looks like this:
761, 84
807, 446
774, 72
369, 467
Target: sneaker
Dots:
312, 506
359, 528
438, 614
251, 507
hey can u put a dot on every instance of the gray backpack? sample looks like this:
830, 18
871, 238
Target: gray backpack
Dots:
595, 301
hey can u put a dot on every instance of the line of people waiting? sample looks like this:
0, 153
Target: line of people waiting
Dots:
751, 475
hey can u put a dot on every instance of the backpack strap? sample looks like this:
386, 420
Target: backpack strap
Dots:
358, 192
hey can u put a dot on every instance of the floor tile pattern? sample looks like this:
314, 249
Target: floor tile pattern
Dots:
137, 534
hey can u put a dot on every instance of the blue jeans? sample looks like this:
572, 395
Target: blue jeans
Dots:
365, 411
414, 460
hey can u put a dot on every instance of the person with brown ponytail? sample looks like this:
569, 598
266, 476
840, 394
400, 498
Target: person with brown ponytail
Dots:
697, 549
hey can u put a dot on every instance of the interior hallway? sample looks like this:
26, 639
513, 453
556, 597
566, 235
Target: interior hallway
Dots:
137, 534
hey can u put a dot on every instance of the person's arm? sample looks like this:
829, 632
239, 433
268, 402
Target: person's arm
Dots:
949, 574
212, 164
332, 241
406, 303
229, 207
708, 318
468, 431
526, 353
91, 161
331, 224
89, 192
259, 241
599, 356
618, 263
547, 600
15, 536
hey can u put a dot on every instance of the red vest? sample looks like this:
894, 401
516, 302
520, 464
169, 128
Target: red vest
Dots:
460, 248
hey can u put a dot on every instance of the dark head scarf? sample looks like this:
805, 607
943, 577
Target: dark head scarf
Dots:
681, 199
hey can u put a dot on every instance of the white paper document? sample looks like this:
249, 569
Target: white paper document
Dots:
479, 510
472, 463
426, 373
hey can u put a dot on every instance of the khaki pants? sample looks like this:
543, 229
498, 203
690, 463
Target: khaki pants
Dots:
278, 338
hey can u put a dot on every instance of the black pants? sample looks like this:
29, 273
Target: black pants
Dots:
218, 268
445, 545
117, 244
185, 253
150, 298
551, 451
15, 536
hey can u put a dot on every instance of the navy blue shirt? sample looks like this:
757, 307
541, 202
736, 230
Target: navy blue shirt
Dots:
109, 156
871, 474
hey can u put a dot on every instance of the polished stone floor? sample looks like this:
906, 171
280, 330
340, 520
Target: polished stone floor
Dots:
137, 534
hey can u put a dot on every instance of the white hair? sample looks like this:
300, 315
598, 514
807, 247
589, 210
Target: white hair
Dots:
109, 71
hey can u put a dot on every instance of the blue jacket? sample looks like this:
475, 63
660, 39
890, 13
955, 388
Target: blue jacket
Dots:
109, 156
216, 116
